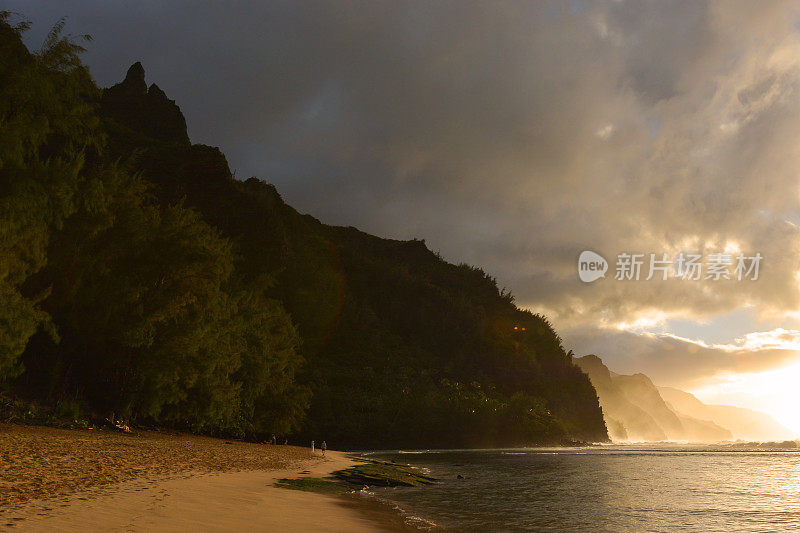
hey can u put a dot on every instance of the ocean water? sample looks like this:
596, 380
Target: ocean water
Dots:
633, 488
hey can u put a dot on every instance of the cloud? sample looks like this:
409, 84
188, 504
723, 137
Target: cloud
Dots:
675, 361
778, 338
511, 135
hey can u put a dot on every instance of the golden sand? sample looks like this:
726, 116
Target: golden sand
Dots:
99, 480
40, 462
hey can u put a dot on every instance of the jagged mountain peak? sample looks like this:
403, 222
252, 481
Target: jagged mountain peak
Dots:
156, 92
635, 410
134, 79
147, 111
594, 367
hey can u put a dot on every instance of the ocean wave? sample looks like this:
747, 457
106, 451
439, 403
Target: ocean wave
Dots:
411, 520
420, 523
415, 452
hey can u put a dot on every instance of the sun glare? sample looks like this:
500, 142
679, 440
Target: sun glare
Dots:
775, 392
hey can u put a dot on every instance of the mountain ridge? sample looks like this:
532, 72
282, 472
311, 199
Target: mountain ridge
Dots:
326, 276
744, 424
146, 283
635, 409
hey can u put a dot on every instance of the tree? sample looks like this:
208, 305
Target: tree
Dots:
47, 127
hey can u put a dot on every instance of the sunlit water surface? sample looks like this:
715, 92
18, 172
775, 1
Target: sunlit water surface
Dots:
633, 488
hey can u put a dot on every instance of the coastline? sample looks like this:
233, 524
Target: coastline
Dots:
220, 486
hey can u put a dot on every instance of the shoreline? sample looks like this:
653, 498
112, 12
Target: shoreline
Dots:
69, 480
97, 479
245, 500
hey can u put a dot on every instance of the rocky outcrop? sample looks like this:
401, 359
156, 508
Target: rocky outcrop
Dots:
147, 111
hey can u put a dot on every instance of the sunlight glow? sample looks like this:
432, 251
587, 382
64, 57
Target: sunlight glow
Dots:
649, 320
775, 392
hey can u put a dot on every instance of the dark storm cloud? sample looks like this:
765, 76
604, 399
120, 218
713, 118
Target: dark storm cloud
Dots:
512, 135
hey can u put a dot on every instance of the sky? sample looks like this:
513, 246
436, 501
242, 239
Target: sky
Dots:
514, 136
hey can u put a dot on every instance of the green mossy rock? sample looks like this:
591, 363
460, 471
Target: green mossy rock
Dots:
384, 474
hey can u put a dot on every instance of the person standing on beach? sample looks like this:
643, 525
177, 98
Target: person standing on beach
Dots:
324, 447
312, 446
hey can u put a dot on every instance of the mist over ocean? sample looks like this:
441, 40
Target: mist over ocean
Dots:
615, 488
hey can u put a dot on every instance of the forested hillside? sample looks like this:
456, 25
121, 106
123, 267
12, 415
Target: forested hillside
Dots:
137, 276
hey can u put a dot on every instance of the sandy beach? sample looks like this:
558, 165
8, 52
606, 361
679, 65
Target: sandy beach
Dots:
65, 480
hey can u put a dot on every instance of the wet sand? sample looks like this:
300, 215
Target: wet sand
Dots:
64, 480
